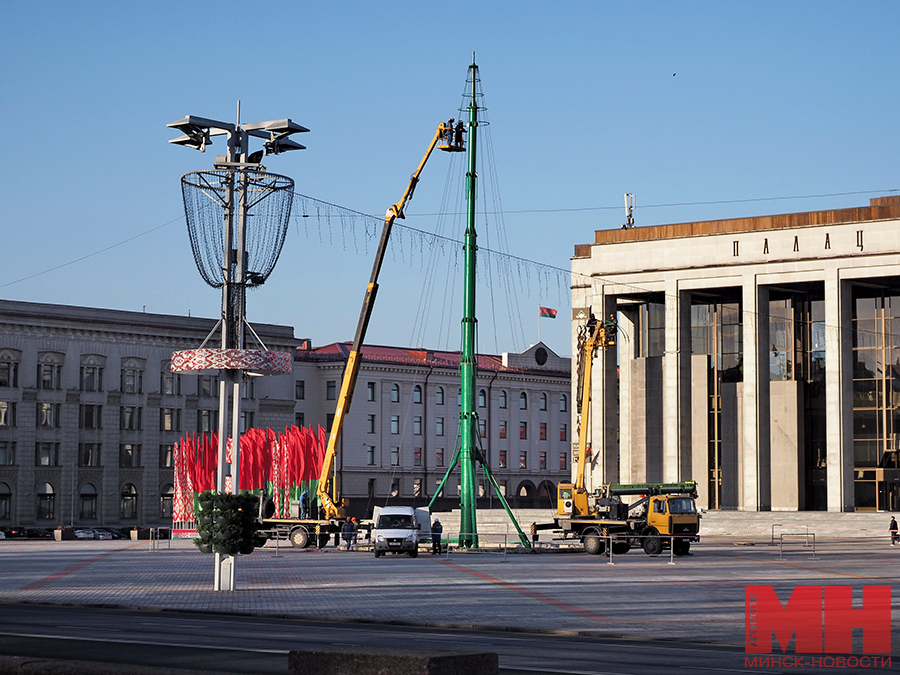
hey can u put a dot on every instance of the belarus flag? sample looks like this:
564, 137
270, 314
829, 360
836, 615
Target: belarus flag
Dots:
546, 313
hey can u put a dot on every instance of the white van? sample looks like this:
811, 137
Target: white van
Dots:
400, 529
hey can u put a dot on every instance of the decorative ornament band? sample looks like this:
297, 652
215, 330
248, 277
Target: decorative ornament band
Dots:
258, 361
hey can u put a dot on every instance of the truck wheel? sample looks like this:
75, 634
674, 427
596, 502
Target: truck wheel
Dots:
682, 547
592, 542
378, 553
414, 553
652, 544
299, 537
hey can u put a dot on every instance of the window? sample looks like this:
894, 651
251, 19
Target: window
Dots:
129, 456
502, 428
89, 454
130, 418
169, 382
543, 401
395, 487
371, 487
5, 501
563, 461
563, 403
439, 396
329, 420
247, 421
502, 459
132, 381
89, 416
438, 491
523, 459
207, 420
46, 454
371, 422
88, 502
300, 390
47, 415
439, 457
417, 487
563, 433
299, 419
166, 456
166, 501
417, 456
438, 426
248, 388
542, 433
482, 428
395, 424
9, 374
46, 502
542, 460
331, 390
417, 426
7, 453
417, 394
482, 398
91, 378
49, 375
523, 401
502, 400
395, 393
395, 456
370, 391
523, 430
209, 386
370, 455
128, 510
7, 414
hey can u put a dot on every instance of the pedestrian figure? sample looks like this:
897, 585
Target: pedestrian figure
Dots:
347, 534
893, 528
355, 532
448, 132
304, 505
436, 531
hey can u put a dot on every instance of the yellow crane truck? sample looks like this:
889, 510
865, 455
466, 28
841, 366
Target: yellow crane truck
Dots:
663, 515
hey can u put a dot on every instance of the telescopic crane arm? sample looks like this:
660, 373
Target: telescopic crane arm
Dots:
327, 490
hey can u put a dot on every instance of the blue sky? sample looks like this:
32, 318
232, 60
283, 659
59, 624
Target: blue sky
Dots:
679, 103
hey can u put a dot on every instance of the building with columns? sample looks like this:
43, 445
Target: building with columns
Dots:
759, 357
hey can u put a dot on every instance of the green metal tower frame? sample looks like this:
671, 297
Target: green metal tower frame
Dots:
469, 451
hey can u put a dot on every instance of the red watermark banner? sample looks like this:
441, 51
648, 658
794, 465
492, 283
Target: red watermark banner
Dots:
821, 620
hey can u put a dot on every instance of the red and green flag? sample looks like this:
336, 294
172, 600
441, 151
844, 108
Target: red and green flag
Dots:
546, 313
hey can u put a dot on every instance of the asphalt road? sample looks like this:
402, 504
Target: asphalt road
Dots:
232, 644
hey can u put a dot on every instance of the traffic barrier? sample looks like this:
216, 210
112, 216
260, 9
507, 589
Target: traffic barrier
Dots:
387, 661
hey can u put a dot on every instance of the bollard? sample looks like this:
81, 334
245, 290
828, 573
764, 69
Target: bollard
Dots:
610, 561
671, 550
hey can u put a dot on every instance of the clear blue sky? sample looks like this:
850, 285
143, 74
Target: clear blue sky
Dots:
679, 102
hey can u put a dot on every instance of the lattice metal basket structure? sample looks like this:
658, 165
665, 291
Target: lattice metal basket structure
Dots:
210, 197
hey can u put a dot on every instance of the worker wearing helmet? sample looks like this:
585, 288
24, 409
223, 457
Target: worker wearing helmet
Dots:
448, 132
436, 531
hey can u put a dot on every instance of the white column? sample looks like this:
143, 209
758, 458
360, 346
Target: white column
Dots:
628, 328
676, 377
838, 392
603, 467
754, 462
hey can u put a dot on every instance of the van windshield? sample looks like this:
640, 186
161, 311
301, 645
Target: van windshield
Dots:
682, 505
395, 522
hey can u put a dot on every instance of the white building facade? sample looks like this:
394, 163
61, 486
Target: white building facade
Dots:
762, 359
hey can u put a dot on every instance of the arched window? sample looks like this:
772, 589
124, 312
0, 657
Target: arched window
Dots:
129, 502
166, 499
88, 502
439, 396
543, 401
417, 394
523, 401
5, 501
46, 502
502, 399
563, 403
395, 393
482, 398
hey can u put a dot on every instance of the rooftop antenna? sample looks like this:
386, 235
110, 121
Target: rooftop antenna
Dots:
629, 210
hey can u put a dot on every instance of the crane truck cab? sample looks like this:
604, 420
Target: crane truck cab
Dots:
400, 529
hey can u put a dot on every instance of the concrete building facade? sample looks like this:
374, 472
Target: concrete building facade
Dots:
762, 359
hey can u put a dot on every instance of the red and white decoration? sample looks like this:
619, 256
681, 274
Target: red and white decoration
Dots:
261, 361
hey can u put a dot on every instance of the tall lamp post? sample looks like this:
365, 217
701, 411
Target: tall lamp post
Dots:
222, 207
